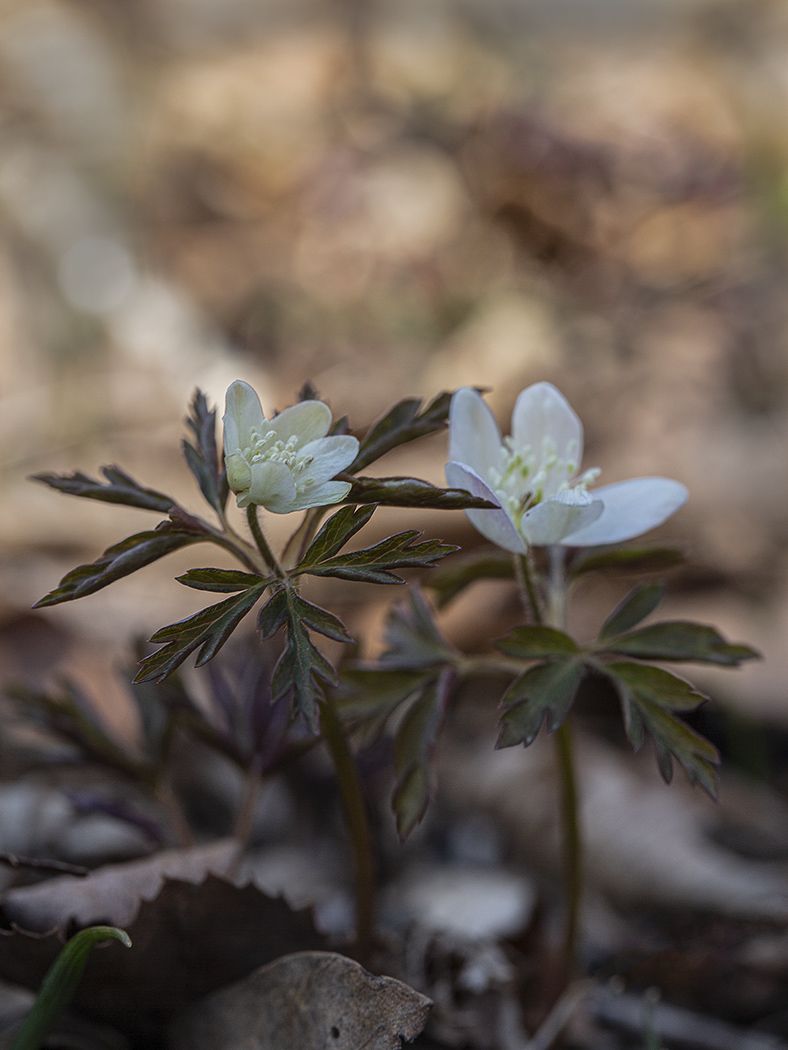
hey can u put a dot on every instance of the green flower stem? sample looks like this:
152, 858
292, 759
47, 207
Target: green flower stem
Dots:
358, 825
61, 982
262, 543
572, 840
523, 571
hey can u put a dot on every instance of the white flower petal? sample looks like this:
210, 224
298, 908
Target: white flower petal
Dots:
239, 474
272, 487
541, 412
307, 421
549, 522
242, 411
331, 455
474, 437
321, 495
495, 525
631, 508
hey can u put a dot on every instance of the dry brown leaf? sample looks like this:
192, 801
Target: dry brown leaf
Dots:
318, 1000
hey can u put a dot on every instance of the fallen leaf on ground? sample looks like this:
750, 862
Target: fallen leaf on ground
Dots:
309, 999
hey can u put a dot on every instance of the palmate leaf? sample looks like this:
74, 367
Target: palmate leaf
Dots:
545, 692
368, 696
335, 533
626, 560
411, 492
414, 746
649, 697
223, 581
403, 423
201, 453
412, 637
681, 641
301, 667
119, 560
206, 630
375, 564
449, 580
119, 487
536, 642
636, 606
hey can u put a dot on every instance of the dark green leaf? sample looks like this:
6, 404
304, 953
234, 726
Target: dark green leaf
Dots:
537, 642
451, 578
681, 640
118, 488
374, 564
636, 606
301, 667
412, 636
400, 424
206, 630
546, 691
372, 694
412, 492
648, 701
335, 533
414, 745
656, 685
224, 581
201, 454
118, 561
627, 560
61, 982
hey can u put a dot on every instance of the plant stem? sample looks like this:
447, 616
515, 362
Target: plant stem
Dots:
244, 821
262, 543
523, 571
357, 822
571, 837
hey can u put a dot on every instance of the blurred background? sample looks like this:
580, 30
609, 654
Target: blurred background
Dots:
389, 200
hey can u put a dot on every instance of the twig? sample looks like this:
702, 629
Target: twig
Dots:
54, 867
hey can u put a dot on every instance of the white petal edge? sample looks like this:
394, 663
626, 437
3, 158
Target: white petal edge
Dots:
272, 487
242, 411
331, 455
494, 525
307, 421
631, 508
542, 411
320, 496
550, 522
474, 437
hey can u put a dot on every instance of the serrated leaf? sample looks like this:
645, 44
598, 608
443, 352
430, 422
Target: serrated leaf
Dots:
648, 701
412, 492
223, 581
657, 685
414, 746
401, 424
412, 636
627, 560
301, 667
450, 579
536, 642
681, 640
335, 533
202, 455
375, 564
119, 560
119, 487
636, 606
371, 694
206, 630
545, 692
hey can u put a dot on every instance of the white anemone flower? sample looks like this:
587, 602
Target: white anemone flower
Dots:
533, 477
286, 463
